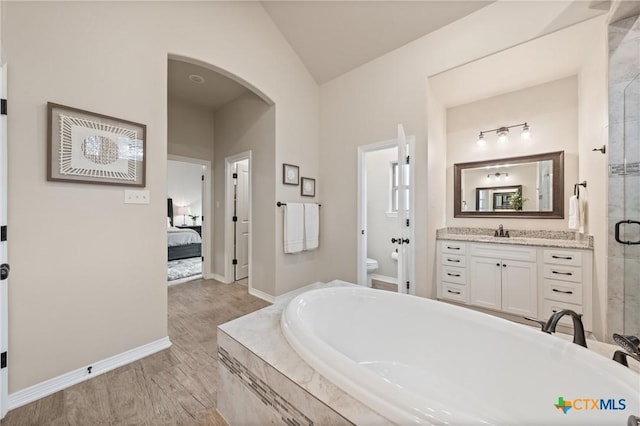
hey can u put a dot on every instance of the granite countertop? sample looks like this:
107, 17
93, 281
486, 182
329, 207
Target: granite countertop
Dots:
558, 239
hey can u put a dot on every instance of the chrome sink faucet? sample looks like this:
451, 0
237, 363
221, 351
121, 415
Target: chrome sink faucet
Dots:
578, 329
500, 232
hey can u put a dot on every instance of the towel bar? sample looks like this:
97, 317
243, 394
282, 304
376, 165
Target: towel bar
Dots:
280, 204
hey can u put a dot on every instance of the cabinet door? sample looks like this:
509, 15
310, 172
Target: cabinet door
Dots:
519, 289
485, 282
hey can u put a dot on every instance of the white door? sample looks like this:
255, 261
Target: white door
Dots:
405, 215
4, 303
241, 269
400, 189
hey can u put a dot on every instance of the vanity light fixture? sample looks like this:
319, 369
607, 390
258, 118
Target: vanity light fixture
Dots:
497, 175
503, 132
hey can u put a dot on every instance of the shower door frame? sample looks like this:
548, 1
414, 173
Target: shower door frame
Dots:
626, 231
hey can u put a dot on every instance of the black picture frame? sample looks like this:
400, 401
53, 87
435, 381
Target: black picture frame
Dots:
308, 187
290, 174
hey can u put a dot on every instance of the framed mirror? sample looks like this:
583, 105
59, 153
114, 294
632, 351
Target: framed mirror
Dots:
519, 187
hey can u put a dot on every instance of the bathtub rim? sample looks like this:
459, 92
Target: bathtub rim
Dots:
383, 406
399, 403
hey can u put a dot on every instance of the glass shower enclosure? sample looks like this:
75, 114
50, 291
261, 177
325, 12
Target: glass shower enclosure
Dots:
626, 212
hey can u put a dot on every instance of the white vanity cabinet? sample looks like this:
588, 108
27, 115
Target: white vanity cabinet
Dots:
522, 280
504, 278
452, 271
567, 284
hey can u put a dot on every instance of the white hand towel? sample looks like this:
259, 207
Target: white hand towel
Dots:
574, 213
582, 208
293, 228
311, 226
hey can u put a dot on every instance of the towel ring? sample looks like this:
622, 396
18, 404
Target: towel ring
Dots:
576, 189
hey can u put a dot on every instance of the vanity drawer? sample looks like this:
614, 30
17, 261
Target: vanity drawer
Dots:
453, 247
454, 292
454, 260
507, 252
563, 273
563, 291
454, 274
563, 257
549, 307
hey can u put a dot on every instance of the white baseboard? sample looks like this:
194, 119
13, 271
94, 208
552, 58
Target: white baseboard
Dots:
184, 280
210, 276
46, 388
220, 278
262, 295
384, 278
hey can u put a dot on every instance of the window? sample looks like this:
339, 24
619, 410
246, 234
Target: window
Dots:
394, 186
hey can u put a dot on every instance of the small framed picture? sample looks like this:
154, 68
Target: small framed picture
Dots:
290, 174
308, 188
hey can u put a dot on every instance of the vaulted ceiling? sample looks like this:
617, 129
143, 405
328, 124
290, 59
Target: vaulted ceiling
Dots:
333, 37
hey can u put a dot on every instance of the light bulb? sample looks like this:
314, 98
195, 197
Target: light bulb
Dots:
481, 140
526, 131
502, 134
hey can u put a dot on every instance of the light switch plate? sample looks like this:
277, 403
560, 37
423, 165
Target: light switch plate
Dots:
133, 196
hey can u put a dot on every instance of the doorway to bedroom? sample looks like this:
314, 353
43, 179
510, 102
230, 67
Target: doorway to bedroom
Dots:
186, 199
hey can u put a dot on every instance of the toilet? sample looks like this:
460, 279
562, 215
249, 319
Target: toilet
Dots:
372, 266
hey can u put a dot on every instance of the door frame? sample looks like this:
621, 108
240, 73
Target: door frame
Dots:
363, 150
4, 285
228, 224
207, 223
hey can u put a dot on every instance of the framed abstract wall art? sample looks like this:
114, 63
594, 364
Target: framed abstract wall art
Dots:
87, 147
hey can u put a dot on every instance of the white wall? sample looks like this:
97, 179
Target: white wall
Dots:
381, 226
99, 266
248, 124
551, 109
189, 130
184, 186
593, 133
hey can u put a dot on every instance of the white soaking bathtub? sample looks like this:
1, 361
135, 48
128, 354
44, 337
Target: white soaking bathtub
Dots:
420, 361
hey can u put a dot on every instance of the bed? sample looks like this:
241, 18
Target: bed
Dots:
182, 243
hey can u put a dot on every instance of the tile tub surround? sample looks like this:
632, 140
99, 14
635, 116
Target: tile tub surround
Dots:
542, 238
262, 380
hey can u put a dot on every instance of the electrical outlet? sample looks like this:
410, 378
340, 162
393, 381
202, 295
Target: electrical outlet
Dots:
132, 196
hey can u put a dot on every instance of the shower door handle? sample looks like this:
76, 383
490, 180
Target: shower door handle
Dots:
617, 231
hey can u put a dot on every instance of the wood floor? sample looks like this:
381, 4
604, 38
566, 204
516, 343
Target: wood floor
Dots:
174, 387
